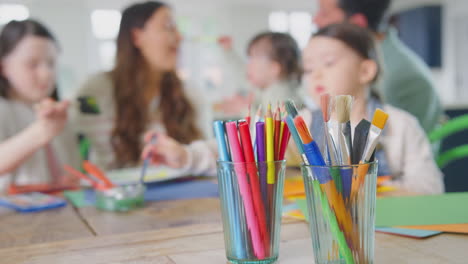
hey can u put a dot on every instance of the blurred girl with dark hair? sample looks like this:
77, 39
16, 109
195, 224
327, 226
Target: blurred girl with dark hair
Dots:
34, 141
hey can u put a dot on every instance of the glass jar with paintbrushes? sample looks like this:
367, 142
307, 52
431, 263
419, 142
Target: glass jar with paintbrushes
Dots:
109, 196
250, 179
340, 183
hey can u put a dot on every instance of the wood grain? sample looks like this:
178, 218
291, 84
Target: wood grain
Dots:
156, 215
47, 226
204, 244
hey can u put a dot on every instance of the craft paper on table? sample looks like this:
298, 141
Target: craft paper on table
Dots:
422, 210
302, 204
453, 228
32, 202
413, 233
294, 186
173, 190
153, 174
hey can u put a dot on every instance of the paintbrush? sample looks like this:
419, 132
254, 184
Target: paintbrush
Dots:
378, 123
292, 113
360, 139
340, 131
330, 146
343, 104
330, 149
147, 161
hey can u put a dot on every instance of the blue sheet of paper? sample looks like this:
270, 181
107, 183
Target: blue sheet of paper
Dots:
163, 191
415, 233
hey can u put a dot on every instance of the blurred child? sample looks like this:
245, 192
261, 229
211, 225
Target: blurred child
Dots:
33, 143
273, 69
341, 60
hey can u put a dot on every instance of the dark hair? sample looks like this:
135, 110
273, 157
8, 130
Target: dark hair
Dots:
11, 35
282, 49
373, 10
129, 78
360, 40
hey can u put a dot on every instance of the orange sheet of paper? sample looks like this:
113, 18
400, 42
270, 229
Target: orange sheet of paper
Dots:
295, 214
383, 179
455, 228
294, 187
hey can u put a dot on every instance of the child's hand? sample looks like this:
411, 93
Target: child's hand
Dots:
165, 151
51, 118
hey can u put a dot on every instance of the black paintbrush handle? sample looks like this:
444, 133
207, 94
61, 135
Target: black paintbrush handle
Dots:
361, 133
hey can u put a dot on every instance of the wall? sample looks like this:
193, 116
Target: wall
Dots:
69, 20
444, 77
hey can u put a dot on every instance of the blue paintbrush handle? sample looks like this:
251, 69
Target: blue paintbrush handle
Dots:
346, 180
315, 158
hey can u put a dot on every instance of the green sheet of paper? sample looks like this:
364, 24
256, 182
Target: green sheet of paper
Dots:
77, 198
449, 208
302, 204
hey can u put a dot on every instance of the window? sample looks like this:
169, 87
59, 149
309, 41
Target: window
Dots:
105, 26
12, 12
298, 24
105, 23
278, 22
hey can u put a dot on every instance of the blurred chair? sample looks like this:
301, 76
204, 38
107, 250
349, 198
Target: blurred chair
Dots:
454, 150
453, 126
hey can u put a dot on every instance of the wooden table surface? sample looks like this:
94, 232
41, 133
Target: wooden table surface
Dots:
180, 232
54, 225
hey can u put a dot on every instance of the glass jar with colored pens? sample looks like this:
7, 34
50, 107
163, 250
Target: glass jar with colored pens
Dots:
250, 179
340, 184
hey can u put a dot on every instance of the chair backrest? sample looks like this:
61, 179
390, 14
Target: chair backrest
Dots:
453, 126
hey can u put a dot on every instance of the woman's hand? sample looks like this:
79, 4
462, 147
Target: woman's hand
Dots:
164, 151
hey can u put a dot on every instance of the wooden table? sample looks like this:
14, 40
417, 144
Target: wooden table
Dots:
179, 232
55, 225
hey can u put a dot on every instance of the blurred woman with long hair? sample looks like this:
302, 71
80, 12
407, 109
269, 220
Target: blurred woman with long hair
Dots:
141, 93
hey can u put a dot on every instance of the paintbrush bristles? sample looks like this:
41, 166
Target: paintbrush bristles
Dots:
325, 104
291, 108
343, 104
380, 119
303, 131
